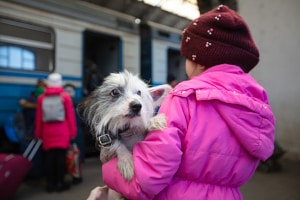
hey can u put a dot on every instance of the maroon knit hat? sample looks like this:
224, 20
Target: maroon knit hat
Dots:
217, 37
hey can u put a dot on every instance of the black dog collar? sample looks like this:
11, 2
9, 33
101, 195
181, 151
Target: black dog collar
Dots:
107, 138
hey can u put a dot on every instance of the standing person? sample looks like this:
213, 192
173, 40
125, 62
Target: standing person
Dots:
92, 77
29, 108
74, 153
219, 122
56, 134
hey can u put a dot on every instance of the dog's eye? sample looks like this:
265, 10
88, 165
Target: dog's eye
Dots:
115, 92
139, 93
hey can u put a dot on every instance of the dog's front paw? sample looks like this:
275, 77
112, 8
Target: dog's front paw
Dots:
158, 122
125, 165
106, 155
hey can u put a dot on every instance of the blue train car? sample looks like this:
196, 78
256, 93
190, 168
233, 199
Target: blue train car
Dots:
37, 38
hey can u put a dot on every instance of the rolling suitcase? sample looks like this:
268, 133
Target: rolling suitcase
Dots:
14, 168
37, 169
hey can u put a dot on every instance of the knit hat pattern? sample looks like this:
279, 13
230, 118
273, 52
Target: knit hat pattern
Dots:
54, 80
217, 37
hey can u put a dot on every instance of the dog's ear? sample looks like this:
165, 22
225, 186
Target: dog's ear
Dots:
84, 108
85, 112
158, 93
81, 108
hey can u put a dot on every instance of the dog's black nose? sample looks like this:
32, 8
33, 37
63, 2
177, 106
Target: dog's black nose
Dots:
135, 107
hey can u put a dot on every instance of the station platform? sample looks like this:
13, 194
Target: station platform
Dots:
283, 185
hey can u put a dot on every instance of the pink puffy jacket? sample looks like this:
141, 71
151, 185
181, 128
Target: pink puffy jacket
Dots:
56, 134
220, 125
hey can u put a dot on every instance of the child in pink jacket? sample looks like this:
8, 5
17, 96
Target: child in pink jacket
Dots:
220, 123
55, 135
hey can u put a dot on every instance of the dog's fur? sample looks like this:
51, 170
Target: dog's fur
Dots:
122, 108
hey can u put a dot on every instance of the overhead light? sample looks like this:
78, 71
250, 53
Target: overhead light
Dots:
137, 21
188, 9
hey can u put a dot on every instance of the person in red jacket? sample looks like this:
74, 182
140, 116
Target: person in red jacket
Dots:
56, 135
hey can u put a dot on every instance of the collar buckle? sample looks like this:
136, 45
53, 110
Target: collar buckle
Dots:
104, 140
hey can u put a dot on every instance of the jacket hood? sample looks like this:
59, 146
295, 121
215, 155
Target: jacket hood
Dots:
241, 102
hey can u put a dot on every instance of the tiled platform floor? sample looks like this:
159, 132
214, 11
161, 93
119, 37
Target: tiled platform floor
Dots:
283, 185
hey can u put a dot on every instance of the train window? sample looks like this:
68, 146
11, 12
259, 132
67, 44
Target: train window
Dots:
164, 34
25, 46
16, 58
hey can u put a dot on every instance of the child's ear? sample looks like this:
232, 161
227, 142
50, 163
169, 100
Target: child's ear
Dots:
158, 93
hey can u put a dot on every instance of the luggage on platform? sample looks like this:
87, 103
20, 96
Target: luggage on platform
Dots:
37, 163
14, 168
73, 163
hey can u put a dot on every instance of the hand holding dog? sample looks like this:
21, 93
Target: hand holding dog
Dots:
104, 193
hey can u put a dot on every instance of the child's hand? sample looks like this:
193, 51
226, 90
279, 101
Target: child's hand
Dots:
104, 193
98, 193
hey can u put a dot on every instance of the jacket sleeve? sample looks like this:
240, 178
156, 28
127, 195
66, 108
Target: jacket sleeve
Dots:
156, 159
70, 115
38, 119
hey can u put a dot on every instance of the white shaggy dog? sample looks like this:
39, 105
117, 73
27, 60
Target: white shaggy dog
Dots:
120, 112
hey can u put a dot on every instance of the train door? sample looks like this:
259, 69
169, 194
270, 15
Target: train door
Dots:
176, 64
102, 55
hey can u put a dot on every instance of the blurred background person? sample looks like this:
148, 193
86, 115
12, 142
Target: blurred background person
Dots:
56, 134
92, 77
29, 108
